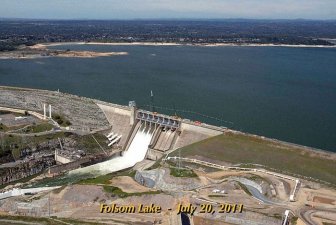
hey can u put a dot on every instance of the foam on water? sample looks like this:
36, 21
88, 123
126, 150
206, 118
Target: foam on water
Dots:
135, 153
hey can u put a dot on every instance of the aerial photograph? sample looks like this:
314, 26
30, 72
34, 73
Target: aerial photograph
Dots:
171, 112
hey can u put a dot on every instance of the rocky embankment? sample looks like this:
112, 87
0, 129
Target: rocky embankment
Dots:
83, 113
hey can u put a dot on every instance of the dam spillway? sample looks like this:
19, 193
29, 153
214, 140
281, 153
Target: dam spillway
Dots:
151, 135
135, 153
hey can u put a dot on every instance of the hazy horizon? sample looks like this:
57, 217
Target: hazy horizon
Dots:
165, 19
168, 9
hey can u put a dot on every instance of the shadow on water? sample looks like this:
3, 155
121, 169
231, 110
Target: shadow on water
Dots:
185, 219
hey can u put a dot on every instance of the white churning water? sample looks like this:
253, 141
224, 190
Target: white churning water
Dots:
135, 153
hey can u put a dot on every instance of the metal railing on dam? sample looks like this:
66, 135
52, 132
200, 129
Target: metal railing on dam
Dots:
162, 120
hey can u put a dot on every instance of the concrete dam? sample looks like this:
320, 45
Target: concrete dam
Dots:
148, 135
148, 131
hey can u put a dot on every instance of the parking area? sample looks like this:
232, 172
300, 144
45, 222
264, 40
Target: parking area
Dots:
15, 120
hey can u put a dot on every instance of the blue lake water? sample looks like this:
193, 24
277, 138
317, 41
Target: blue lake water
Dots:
278, 92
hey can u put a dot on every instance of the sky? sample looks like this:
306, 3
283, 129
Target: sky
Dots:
154, 9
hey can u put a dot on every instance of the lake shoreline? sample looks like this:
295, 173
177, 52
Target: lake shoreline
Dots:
43, 45
41, 51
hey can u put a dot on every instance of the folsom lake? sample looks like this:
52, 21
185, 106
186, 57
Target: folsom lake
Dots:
278, 92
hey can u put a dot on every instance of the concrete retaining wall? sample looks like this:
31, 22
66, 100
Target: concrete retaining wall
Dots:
131, 135
68, 166
61, 159
154, 154
119, 119
113, 109
248, 182
191, 133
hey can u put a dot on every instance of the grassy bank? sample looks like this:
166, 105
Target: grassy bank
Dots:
176, 172
61, 120
105, 179
238, 148
117, 192
37, 128
89, 144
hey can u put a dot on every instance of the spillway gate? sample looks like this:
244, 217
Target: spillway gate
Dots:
162, 120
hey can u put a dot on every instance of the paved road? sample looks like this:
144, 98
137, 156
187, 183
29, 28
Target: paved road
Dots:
306, 217
306, 214
34, 134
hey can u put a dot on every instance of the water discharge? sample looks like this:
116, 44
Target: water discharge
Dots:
135, 153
